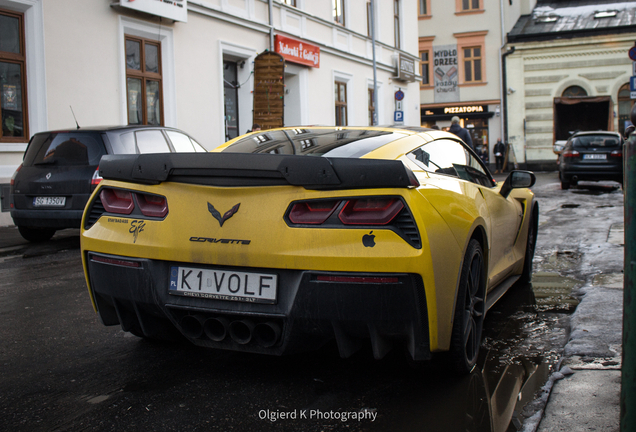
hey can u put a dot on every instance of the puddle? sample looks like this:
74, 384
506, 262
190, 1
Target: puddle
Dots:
570, 205
554, 292
559, 260
608, 280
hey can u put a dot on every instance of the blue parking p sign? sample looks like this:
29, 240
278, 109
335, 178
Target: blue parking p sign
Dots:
398, 116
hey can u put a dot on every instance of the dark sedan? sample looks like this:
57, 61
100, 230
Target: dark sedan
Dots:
591, 156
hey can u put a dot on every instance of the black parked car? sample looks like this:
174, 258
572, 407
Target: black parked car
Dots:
591, 156
60, 170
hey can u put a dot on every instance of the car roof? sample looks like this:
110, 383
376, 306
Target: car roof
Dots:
612, 133
109, 128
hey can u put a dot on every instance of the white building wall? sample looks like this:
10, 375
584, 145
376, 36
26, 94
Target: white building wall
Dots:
82, 65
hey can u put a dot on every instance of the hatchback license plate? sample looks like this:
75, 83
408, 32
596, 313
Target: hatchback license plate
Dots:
49, 201
223, 285
595, 156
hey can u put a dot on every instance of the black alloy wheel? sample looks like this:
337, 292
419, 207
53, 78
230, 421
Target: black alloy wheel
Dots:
470, 310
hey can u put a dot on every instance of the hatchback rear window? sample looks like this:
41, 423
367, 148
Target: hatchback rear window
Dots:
596, 141
65, 148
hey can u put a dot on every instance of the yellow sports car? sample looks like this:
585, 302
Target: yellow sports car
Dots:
284, 239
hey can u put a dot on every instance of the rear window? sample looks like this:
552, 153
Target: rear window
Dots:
596, 141
65, 148
348, 143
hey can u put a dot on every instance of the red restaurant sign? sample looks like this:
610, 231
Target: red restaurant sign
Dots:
297, 52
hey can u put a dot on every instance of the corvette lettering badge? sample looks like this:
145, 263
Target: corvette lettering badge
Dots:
228, 214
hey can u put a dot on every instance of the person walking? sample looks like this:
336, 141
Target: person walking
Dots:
499, 151
460, 132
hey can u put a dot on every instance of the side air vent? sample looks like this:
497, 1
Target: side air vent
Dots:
405, 224
96, 210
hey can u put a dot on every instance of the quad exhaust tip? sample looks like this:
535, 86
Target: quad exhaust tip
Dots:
242, 331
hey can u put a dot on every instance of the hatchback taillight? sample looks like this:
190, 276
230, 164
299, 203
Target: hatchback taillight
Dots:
616, 153
370, 211
571, 153
15, 175
96, 179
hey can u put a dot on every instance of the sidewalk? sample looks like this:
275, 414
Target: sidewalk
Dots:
587, 398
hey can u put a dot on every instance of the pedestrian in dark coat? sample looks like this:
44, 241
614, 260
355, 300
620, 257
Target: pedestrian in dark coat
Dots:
499, 151
461, 132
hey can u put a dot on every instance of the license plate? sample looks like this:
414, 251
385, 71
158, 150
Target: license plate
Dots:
223, 285
595, 156
49, 201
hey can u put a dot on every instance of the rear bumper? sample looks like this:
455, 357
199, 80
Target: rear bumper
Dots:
308, 312
592, 174
57, 219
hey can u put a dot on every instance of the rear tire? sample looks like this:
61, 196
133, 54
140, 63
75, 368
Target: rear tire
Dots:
470, 310
36, 235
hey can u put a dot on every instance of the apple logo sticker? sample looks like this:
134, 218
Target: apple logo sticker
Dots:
368, 240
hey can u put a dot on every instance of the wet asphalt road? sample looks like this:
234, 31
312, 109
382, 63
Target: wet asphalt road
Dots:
62, 370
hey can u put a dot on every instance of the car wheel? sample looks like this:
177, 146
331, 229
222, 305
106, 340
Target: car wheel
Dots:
526, 274
565, 185
469, 310
36, 235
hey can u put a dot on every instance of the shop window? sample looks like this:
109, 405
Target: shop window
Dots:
13, 94
396, 22
341, 103
625, 105
371, 106
338, 11
144, 81
574, 91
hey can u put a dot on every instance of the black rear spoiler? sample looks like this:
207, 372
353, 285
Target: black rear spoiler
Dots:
248, 169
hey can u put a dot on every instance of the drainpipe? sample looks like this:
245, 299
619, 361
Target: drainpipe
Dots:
504, 98
502, 88
271, 25
375, 71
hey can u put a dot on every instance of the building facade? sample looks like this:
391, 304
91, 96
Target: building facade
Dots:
190, 64
461, 64
568, 70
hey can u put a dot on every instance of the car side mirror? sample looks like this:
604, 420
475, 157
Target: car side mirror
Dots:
517, 179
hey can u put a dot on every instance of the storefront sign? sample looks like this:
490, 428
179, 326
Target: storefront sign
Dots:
296, 51
172, 9
457, 110
406, 69
446, 73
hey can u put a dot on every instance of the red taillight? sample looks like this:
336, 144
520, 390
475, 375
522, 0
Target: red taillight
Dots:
152, 205
570, 153
370, 211
14, 175
117, 201
616, 153
358, 279
121, 202
312, 212
96, 179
